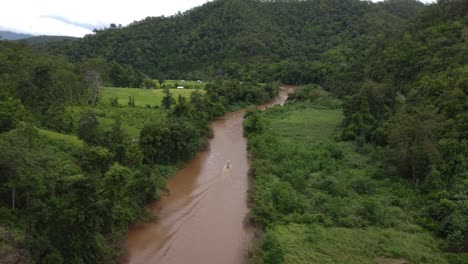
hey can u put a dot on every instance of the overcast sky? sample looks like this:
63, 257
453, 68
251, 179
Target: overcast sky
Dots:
80, 17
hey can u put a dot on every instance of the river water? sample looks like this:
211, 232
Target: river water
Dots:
203, 219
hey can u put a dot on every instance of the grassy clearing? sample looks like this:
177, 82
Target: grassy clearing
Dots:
132, 119
315, 244
71, 140
305, 126
142, 97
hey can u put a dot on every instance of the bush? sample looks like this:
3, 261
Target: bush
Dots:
272, 252
372, 211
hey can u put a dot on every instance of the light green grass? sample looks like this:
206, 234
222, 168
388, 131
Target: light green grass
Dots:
142, 97
305, 126
314, 244
67, 139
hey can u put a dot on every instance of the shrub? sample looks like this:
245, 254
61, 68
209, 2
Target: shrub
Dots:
272, 251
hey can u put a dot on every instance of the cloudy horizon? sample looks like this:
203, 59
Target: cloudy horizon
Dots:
78, 18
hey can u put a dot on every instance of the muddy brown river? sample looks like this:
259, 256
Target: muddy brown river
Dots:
203, 219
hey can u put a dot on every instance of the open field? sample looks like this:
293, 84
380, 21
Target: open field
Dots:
142, 97
306, 126
71, 140
315, 244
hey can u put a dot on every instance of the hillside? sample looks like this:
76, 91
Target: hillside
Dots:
247, 39
9, 35
39, 40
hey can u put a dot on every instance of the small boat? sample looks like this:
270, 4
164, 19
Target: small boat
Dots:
228, 164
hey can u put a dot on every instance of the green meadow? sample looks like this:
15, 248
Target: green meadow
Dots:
306, 125
316, 244
70, 140
142, 97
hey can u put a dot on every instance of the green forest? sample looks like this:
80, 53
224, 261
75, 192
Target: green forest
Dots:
366, 163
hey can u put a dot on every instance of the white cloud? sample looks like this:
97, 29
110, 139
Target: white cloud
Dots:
78, 17
43, 16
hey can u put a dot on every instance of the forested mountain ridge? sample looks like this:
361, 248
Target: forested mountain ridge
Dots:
246, 39
39, 40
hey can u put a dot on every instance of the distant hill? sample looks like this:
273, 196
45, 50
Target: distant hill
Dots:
245, 39
37, 40
9, 35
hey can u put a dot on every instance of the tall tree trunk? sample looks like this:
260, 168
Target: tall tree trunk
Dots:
94, 77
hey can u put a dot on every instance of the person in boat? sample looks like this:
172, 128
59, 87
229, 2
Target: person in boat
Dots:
228, 164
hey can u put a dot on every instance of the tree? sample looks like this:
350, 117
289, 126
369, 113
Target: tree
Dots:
19, 159
121, 206
76, 220
183, 108
161, 82
115, 140
95, 159
88, 127
363, 123
413, 142
134, 156
149, 84
95, 74
167, 100
11, 113
155, 142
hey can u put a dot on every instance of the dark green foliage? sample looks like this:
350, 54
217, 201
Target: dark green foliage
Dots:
167, 100
42, 83
413, 143
95, 159
272, 252
411, 101
182, 108
234, 92
363, 123
403, 8
169, 141
253, 124
88, 128
125, 76
65, 212
248, 40
121, 207
11, 113
134, 156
